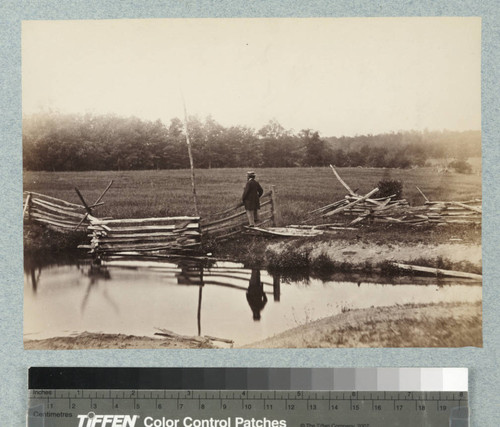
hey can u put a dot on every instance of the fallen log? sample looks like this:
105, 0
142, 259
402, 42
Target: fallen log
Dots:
225, 340
204, 338
449, 273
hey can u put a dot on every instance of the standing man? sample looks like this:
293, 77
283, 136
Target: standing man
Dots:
251, 196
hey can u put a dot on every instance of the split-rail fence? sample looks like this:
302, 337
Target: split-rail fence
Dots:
143, 235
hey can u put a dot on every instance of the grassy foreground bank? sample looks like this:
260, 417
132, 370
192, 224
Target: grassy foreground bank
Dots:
422, 325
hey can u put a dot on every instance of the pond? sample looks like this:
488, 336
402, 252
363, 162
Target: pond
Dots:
224, 300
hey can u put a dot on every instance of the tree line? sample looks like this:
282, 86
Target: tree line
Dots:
74, 142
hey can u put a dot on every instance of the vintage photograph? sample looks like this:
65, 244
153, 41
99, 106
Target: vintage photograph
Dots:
252, 183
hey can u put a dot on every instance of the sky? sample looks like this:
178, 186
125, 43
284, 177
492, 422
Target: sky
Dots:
339, 76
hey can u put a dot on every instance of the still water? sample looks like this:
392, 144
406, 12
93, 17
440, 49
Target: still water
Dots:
225, 300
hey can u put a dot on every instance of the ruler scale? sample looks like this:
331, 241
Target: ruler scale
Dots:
276, 397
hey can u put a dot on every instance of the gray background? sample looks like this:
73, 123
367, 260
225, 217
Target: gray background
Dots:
482, 362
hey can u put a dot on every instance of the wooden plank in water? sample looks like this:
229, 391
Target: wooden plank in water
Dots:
449, 273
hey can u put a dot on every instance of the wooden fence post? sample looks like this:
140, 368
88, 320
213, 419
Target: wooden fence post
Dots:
27, 207
276, 214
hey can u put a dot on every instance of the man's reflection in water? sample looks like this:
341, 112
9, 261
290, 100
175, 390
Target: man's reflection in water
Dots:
35, 277
256, 297
276, 288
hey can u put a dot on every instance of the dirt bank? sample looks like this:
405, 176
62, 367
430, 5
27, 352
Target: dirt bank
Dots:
369, 252
341, 254
87, 340
423, 325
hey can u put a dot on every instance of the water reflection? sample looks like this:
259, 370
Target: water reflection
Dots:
96, 273
193, 274
35, 276
191, 297
256, 296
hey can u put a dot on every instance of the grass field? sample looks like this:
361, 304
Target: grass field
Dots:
137, 194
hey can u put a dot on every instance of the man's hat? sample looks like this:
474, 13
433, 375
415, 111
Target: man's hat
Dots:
250, 173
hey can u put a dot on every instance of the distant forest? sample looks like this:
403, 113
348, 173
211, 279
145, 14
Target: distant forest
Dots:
63, 142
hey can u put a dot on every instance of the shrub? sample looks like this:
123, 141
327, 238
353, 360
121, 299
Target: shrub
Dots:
390, 187
461, 166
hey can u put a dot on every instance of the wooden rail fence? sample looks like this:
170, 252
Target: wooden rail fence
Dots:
141, 235
144, 235
231, 221
54, 213
397, 211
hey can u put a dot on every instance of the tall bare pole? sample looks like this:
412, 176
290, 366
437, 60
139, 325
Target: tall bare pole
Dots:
188, 142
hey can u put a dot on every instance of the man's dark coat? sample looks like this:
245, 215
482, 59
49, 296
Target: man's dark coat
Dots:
251, 195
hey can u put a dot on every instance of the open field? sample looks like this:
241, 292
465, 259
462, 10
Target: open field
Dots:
168, 192
137, 194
